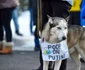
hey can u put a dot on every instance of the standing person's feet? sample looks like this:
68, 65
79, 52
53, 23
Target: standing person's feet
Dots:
7, 49
18, 33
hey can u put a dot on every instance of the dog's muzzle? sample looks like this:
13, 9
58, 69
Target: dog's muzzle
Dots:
63, 38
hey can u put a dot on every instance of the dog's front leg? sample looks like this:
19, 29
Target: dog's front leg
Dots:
57, 65
45, 65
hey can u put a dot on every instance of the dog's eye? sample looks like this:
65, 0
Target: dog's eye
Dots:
59, 28
65, 27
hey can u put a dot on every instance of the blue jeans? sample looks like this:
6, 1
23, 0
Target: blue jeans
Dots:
15, 17
31, 20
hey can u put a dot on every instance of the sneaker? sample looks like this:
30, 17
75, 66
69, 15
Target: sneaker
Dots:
19, 34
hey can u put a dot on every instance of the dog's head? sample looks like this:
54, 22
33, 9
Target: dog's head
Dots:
56, 29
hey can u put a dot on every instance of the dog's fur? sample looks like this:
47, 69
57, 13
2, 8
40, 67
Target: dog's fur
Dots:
56, 30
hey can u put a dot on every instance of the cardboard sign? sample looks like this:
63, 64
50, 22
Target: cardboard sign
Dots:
54, 52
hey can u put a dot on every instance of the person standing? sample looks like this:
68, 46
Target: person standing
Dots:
75, 13
82, 13
33, 22
6, 9
54, 8
15, 19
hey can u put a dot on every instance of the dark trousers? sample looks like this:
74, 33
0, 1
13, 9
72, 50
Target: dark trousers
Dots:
33, 12
74, 18
36, 39
58, 9
34, 6
5, 18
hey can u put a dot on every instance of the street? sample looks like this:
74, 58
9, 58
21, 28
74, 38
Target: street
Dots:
26, 60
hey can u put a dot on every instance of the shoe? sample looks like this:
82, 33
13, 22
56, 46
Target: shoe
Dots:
82, 60
7, 49
18, 33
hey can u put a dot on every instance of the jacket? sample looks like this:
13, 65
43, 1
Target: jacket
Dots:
8, 3
76, 6
83, 3
82, 13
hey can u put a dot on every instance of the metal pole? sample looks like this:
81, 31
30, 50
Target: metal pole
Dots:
39, 24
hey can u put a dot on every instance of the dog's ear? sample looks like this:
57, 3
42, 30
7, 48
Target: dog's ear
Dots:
48, 16
67, 18
50, 20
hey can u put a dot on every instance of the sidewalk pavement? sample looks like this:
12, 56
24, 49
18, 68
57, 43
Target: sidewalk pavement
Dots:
24, 57
23, 43
26, 60
19, 60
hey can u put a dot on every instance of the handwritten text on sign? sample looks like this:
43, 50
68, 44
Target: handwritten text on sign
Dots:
54, 52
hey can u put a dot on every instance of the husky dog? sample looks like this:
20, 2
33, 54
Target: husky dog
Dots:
57, 30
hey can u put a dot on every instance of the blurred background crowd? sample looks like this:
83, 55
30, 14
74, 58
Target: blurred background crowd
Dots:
77, 16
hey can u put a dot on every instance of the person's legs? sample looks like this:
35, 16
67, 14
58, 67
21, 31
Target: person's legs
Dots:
31, 20
1, 27
6, 15
76, 18
63, 64
41, 61
1, 32
15, 19
36, 40
34, 7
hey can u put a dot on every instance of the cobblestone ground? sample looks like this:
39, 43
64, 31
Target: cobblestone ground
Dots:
27, 60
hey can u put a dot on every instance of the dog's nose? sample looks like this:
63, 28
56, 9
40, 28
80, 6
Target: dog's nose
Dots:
63, 38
